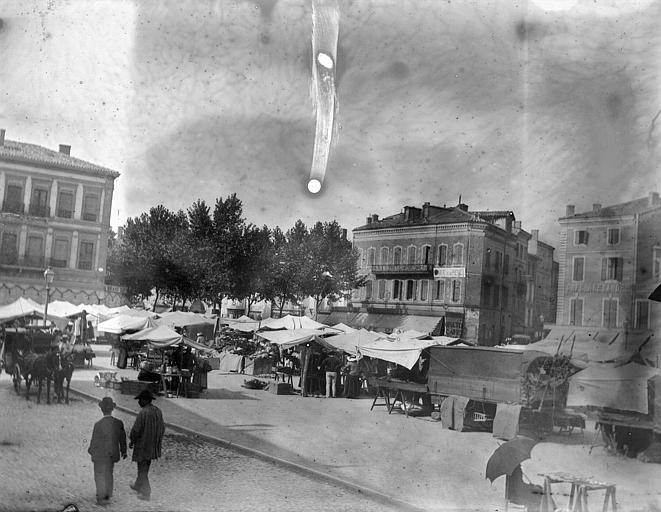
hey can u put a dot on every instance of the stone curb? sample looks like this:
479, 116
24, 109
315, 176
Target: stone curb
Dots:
298, 468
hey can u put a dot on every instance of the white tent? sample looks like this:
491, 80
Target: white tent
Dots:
343, 328
402, 351
292, 337
21, 308
350, 340
292, 322
608, 385
120, 324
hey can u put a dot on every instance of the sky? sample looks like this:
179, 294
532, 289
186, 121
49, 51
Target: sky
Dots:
525, 106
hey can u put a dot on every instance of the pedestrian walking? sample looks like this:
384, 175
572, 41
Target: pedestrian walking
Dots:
107, 444
146, 438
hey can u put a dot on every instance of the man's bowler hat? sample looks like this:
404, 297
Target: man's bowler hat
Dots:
145, 394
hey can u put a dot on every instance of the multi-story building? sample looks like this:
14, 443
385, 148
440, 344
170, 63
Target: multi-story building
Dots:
55, 212
610, 261
442, 270
542, 286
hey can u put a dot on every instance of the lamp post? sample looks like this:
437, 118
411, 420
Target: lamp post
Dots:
49, 275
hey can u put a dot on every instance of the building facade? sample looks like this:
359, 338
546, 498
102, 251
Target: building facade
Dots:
55, 212
610, 261
444, 270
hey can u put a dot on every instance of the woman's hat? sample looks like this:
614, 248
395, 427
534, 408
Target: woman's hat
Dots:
352, 359
107, 403
145, 394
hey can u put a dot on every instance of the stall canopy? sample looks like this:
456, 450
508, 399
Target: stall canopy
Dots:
607, 385
21, 308
292, 322
244, 324
121, 324
162, 336
183, 319
386, 322
402, 351
291, 337
343, 327
350, 340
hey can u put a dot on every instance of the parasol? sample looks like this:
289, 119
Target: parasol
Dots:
656, 294
508, 456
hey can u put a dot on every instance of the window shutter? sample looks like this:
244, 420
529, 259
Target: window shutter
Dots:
620, 265
604, 269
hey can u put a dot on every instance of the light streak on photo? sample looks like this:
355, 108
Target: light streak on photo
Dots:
325, 30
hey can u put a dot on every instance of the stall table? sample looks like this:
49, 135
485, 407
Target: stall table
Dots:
393, 391
578, 496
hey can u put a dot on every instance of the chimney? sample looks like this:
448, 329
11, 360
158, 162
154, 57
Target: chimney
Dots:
65, 149
425, 210
2, 137
517, 224
570, 211
375, 217
653, 197
369, 219
596, 207
535, 234
463, 207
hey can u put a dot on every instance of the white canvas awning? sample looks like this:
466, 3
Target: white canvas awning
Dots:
402, 351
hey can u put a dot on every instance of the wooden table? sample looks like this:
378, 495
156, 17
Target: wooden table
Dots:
393, 391
578, 497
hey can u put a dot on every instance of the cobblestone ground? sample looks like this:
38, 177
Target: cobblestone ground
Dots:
44, 466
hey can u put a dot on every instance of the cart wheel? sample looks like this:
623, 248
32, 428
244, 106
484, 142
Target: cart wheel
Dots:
16, 377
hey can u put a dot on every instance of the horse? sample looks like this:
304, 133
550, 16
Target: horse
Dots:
64, 370
36, 368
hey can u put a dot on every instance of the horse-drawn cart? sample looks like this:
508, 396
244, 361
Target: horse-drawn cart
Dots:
18, 347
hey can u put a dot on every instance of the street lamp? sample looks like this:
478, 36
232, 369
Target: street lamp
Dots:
49, 275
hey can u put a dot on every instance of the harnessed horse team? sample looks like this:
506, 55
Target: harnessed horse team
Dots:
56, 365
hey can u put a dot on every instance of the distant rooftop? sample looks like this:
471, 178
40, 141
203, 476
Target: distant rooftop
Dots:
23, 152
428, 214
644, 204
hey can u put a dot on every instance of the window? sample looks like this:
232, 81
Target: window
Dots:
397, 290
9, 248
656, 255
90, 207
440, 290
579, 265
442, 254
86, 255
65, 204
613, 236
382, 289
384, 255
371, 256
424, 287
499, 261
609, 313
457, 254
34, 251
486, 293
611, 269
495, 300
506, 297
426, 255
60, 257
397, 256
13, 199
506, 264
410, 289
456, 290
642, 320
368, 290
410, 256
39, 202
580, 237
576, 311
487, 259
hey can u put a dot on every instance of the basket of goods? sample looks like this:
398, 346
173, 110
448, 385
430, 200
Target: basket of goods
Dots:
254, 384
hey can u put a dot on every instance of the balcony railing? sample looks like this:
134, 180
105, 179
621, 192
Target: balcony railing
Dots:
54, 262
84, 265
37, 210
12, 207
90, 216
425, 269
64, 214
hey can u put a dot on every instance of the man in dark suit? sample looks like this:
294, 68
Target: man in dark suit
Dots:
107, 444
146, 439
